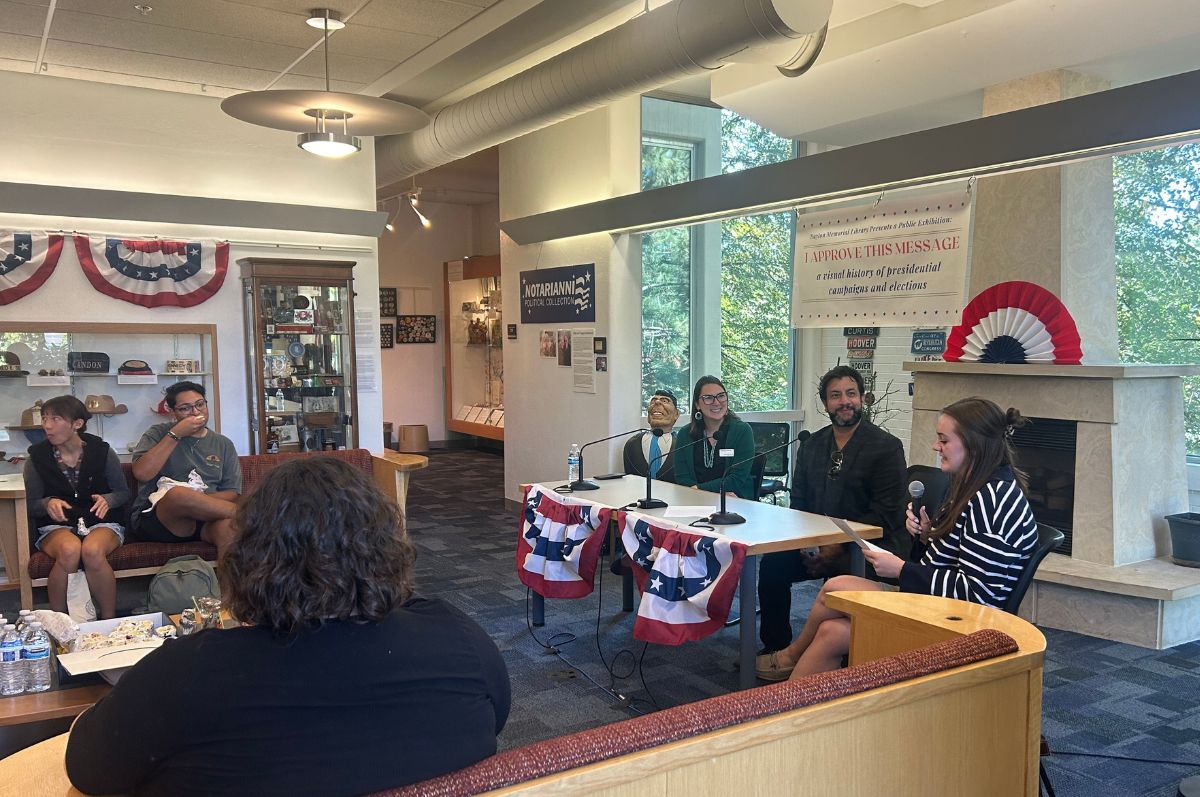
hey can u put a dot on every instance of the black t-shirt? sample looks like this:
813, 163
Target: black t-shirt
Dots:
346, 708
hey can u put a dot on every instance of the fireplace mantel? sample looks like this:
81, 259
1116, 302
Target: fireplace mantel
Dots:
1115, 371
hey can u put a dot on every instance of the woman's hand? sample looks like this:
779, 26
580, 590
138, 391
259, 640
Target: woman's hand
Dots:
56, 509
885, 563
918, 526
100, 507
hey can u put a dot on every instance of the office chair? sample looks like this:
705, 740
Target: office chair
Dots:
773, 478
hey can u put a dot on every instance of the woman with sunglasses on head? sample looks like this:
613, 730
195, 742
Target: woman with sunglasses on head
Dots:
974, 548
74, 485
715, 428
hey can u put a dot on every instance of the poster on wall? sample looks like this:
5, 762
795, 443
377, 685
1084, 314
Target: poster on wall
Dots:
555, 295
386, 336
546, 345
416, 329
564, 348
901, 263
387, 302
583, 361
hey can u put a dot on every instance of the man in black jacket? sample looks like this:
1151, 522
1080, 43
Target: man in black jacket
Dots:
661, 413
851, 469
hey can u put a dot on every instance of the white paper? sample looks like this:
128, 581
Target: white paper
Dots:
689, 511
583, 360
849, 532
366, 342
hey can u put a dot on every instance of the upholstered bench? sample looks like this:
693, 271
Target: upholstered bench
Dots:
137, 558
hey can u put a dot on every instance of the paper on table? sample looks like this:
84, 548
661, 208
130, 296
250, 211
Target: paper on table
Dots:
689, 511
849, 532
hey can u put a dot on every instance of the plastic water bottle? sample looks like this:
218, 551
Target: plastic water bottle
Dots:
279, 399
12, 671
573, 464
35, 655
22, 620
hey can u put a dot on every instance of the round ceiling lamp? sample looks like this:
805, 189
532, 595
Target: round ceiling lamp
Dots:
322, 18
308, 112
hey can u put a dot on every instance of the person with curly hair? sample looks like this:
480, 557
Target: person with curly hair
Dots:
340, 681
974, 548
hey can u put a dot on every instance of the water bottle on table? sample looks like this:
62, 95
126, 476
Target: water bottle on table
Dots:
573, 464
35, 656
22, 620
12, 671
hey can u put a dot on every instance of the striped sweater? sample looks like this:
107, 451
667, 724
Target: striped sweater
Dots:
980, 559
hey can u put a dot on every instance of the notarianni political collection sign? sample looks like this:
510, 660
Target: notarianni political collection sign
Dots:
901, 263
553, 295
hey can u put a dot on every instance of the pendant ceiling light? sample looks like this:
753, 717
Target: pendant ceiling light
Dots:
313, 113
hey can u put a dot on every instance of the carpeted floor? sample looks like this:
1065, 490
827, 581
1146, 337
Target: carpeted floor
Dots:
1100, 697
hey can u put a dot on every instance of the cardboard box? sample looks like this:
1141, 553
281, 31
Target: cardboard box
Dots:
107, 659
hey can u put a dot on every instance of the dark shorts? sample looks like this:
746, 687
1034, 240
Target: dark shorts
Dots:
148, 527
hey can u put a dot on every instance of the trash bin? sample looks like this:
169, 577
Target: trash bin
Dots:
1185, 538
414, 439
387, 434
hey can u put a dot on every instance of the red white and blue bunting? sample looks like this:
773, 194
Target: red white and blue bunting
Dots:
27, 259
687, 579
558, 547
1015, 322
154, 273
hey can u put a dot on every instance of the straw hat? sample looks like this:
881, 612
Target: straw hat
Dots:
103, 404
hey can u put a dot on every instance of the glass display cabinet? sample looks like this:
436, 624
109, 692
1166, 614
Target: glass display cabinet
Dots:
474, 347
300, 325
119, 372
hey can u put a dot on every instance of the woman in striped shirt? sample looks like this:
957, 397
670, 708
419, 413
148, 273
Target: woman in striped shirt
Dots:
974, 549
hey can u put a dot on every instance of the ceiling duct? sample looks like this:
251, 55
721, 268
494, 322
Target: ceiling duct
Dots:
676, 40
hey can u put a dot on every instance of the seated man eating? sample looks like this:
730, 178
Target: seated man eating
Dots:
202, 472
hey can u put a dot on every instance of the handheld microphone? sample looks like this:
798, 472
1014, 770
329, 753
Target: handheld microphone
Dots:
658, 503
584, 484
916, 491
723, 518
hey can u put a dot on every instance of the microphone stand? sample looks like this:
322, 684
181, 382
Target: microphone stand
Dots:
584, 484
724, 518
658, 503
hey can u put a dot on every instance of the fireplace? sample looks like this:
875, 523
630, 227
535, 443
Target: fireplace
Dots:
1046, 453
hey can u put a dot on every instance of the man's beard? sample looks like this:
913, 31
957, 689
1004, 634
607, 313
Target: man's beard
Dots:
845, 424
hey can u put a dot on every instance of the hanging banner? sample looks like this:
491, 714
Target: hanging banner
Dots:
552, 295
27, 259
154, 273
902, 263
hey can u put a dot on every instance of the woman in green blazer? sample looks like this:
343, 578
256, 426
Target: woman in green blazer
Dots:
702, 465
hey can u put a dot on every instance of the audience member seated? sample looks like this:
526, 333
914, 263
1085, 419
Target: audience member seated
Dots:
203, 467
644, 451
973, 549
720, 429
340, 681
850, 469
74, 488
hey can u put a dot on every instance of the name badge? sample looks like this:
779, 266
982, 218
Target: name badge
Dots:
725, 452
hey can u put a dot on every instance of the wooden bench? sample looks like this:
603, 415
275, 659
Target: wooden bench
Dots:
954, 708
135, 558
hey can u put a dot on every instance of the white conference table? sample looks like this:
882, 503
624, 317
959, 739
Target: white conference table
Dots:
768, 529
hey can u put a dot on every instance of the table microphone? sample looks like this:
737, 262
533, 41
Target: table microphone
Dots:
723, 518
584, 484
658, 503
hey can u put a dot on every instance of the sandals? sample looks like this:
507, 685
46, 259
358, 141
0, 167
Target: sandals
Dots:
768, 667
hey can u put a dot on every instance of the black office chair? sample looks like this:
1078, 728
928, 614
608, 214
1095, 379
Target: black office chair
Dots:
1049, 538
769, 434
757, 466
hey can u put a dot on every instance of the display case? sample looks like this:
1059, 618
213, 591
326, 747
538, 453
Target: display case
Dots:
119, 371
300, 327
474, 347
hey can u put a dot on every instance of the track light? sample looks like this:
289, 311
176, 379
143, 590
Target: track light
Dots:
412, 203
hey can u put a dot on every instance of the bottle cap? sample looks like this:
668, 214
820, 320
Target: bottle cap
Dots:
10, 627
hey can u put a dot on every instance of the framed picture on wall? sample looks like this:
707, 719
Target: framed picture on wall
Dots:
416, 329
387, 335
387, 302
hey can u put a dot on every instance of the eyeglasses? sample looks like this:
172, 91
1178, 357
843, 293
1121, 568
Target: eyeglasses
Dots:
714, 398
836, 469
188, 409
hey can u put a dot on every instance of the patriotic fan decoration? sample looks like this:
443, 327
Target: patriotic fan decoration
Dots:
27, 259
558, 547
154, 273
1015, 322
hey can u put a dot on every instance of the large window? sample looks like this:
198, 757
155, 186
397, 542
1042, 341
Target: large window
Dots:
1157, 207
715, 297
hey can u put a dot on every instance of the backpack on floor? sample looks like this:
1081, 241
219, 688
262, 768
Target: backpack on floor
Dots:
178, 581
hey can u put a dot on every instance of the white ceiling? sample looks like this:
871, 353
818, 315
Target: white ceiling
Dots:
888, 66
